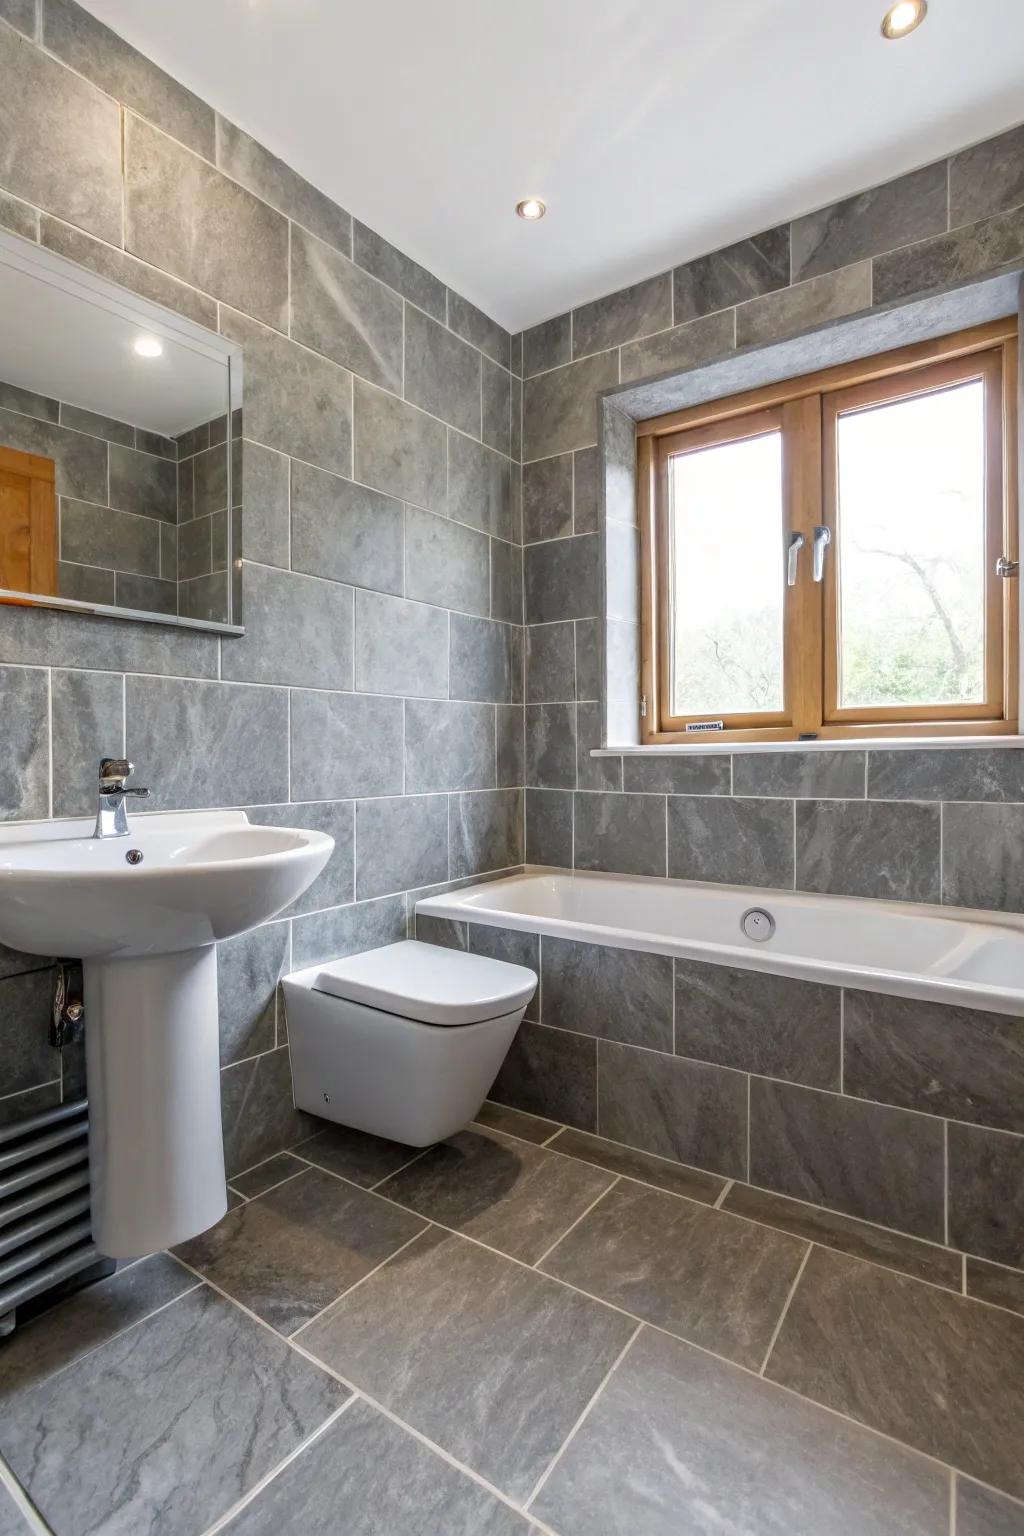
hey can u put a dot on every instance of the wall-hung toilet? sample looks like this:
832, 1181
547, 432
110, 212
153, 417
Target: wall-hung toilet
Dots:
404, 1041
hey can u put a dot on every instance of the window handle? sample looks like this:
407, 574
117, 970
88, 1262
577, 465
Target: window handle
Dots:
822, 539
796, 544
1006, 568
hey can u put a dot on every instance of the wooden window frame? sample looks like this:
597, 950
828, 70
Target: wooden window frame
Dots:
806, 410
40, 473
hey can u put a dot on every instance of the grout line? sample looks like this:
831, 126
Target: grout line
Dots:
49, 741
963, 1274
782, 1315
952, 1502
226, 1519
842, 1040
554, 1137
945, 1182
573, 1225
722, 1196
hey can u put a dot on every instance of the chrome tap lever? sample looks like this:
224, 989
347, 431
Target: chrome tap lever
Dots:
111, 820
796, 544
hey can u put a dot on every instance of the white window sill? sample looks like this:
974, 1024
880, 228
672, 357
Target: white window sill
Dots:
706, 747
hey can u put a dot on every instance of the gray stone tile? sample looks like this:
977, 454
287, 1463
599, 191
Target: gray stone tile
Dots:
624, 833
481, 659
635, 311
442, 373
898, 213
295, 401
560, 407
85, 583
850, 848
442, 931
949, 260
618, 434
400, 844
265, 495
448, 746
561, 579
676, 775
384, 1479
97, 426
474, 326
737, 842
685, 346
551, 746
87, 720
758, 1023
401, 647
275, 1170
496, 406
676, 1178
550, 663
510, 746
506, 582
479, 486
144, 484
26, 1008
344, 531
616, 994
586, 492
549, 829
246, 161
485, 832
26, 402
62, 639
20, 14
513, 1122
81, 461
24, 768
947, 775
184, 1371
504, 1192
995, 1283
805, 306
800, 776
298, 630
289, 1253
402, 274
399, 449
551, 1073
731, 276
344, 746
980, 1512
256, 1105
210, 480
185, 217
14, 214
124, 269
15, 1106
207, 744
675, 1108
986, 1193
987, 178
866, 1160
594, 772
518, 948
882, 1349
343, 312
348, 930
589, 658
547, 345
982, 863
14, 961
356, 1156
471, 1350
61, 139
680, 1441
248, 971
204, 598
447, 564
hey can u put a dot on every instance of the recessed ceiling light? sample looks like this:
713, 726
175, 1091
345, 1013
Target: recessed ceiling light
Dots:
904, 17
148, 346
531, 208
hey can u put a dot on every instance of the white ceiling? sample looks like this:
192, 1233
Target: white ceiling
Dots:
656, 129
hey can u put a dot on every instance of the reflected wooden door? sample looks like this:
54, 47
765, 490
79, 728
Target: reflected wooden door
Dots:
28, 523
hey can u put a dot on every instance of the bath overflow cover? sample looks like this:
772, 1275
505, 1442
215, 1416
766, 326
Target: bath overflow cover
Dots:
757, 924
134, 856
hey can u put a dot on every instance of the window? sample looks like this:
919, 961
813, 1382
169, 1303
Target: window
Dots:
821, 557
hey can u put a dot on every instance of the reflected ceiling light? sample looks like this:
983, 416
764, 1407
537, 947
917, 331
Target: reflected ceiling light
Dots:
531, 209
148, 346
903, 17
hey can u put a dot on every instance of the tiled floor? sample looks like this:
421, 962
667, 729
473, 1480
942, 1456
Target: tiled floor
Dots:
524, 1330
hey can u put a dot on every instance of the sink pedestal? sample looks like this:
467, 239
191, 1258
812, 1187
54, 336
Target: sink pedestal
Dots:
153, 1065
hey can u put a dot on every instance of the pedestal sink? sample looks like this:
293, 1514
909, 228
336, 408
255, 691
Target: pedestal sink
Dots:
143, 913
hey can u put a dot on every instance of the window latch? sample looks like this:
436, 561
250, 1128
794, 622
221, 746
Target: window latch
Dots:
1007, 568
822, 539
796, 544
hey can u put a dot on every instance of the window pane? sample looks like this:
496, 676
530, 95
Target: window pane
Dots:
725, 516
912, 551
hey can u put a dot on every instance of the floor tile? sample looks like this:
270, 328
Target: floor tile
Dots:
12, 1521
515, 1122
980, 1512
680, 1444
167, 1425
711, 1278
491, 1361
265, 1175
289, 1253
506, 1193
940, 1372
992, 1283
677, 1178
925, 1261
355, 1155
367, 1477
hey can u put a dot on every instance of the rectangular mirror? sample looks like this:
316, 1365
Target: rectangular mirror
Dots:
120, 450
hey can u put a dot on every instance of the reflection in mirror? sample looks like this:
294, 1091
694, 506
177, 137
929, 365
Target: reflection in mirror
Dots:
120, 449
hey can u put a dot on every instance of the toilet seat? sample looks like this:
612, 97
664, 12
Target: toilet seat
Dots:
429, 984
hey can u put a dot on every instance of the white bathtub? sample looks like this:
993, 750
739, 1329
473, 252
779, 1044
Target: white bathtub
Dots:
937, 954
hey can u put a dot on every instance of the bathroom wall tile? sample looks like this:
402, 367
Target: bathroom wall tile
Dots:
759, 1023
265, 495
248, 971
625, 833
398, 449
510, 745
996, 1284
987, 178
898, 213
679, 1109
506, 582
949, 260
15, 215
400, 844
551, 1073
982, 862
676, 775
986, 1193
586, 492
337, 818
691, 1183
17, 1105
481, 659
351, 930
496, 406
298, 630
868, 849
551, 746
99, 426
474, 326
594, 772
619, 444
800, 776
561, 579
141, 483
343, 531
91, 535
20, 14
401, 647
943, 1060
442, 373
204, 598
246, 161
14, 961
275, 1170
63, 639
126, 270
85, 583
81, 462
26, 402
24, 767
183, 216
547, 345
518, 948
401, 273
257, 1109
589, 658
295, 401
207, 744
87, 720
980, 1512
686, 346
881, 1164
616, 994
448, 746
739, 272
805, 305
737, 842
550, 663
442, 931
635, 311
61, 139
446, 563
339, 310
975, 774
26, 1008
560, 407
485, 832
479, 486
344, 745
549, 830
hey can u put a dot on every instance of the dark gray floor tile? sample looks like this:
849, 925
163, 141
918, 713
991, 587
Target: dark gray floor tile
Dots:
678, 1442
551, 1073
515, 1122
996, 1284
644, 1167
256, 1181
491, 1361
370, 1477
866, 848
737, 842
939, 1372
686, 1110
617, 994
143, 1421
980, 1512
758, 1023
986, 1193
510, 1195
354, 1155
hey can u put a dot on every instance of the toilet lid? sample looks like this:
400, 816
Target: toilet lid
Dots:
428, 983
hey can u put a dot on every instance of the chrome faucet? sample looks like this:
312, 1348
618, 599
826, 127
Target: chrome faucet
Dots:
111, 820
